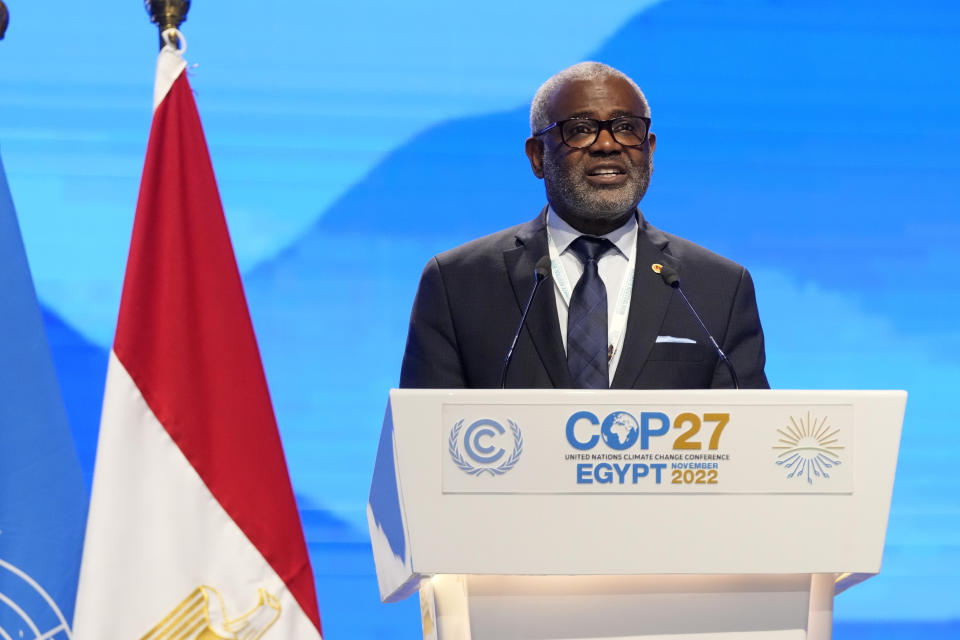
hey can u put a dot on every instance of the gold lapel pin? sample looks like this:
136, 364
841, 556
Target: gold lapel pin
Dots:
657, 267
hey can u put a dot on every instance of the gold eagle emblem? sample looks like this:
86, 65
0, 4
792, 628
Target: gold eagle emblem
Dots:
202, 616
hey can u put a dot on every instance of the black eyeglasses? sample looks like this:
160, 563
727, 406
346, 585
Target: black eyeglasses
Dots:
630, 131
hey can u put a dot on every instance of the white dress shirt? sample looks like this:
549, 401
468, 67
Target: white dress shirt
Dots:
613, 267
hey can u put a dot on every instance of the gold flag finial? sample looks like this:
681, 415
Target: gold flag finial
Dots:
167, 14
4, 19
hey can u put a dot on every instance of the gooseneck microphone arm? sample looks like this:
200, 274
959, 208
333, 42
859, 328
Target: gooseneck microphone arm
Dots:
672, 279
540, 273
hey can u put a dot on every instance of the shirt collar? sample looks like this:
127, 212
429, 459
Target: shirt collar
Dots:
563, 234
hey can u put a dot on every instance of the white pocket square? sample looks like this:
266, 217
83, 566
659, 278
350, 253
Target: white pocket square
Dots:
675, 340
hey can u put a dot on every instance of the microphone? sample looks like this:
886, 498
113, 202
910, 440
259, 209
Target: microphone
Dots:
672, 279
540, 273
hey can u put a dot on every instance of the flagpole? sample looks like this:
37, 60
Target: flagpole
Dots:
4, 19
166, 14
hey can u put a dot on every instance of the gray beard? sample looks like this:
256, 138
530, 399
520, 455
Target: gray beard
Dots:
574, 195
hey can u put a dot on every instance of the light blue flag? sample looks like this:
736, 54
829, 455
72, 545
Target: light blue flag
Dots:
43, 499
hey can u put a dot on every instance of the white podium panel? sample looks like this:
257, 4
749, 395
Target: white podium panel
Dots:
767, 607
707, 487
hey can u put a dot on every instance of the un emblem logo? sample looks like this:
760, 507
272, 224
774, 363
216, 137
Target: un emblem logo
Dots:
483, 442
28, 611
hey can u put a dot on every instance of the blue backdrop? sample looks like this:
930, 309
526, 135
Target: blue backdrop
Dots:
814, 142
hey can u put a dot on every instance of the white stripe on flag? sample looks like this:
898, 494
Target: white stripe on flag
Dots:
172, 537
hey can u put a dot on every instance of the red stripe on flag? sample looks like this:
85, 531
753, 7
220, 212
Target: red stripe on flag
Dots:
185, 337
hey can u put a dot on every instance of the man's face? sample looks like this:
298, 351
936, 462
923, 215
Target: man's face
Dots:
596, 188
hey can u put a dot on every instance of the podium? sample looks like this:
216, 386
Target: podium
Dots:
654, 515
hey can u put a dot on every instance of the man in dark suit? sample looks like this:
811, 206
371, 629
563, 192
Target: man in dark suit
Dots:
606, 316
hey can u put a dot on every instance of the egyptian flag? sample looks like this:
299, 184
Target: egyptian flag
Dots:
193, 530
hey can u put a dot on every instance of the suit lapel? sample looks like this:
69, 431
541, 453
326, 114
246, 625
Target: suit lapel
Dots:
648, 305
542, 323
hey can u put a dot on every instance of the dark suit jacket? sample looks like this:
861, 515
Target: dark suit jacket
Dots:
470, 300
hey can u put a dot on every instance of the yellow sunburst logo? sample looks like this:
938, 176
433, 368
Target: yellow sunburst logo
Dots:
809, 448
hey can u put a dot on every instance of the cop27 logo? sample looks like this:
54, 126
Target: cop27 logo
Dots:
620, 430
484, 442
